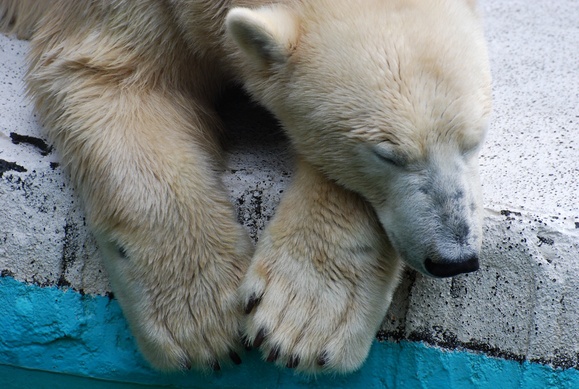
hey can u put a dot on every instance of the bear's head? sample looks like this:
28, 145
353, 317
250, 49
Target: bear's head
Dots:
389, 98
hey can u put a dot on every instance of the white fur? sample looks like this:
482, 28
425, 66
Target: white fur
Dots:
415, 92
325, 289
266, 34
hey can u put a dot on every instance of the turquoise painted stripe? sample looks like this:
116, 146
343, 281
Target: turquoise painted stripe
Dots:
52, 338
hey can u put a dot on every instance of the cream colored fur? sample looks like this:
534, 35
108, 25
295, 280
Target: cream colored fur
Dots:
324, 274
389, 99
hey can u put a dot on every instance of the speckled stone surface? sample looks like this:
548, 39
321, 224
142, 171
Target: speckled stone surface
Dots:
531, 158
524, 302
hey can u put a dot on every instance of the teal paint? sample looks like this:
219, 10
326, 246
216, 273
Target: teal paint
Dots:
52, 338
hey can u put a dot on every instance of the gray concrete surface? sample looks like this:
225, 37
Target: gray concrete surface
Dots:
524, 302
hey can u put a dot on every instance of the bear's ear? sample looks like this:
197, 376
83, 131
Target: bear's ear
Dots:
266, 35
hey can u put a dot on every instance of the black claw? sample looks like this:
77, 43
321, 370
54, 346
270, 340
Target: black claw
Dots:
123, 252
235, 357
186, 364
293, 362
259, 338
273, 354
252, 303
216, 366
322, 359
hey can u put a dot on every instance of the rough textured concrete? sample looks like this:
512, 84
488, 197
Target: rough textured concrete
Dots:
43, 237
80, 336
524, 302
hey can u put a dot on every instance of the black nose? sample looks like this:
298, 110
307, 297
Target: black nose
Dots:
451, 268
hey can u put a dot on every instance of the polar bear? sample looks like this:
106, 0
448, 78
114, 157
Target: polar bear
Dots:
386, 103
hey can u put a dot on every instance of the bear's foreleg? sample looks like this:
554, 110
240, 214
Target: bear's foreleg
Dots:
321, 280
145, 164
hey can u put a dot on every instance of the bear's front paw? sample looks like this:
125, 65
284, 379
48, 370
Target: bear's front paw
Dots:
315, 299
183, 308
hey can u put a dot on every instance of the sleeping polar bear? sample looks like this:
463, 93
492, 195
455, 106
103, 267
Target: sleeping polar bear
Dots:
386, 103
